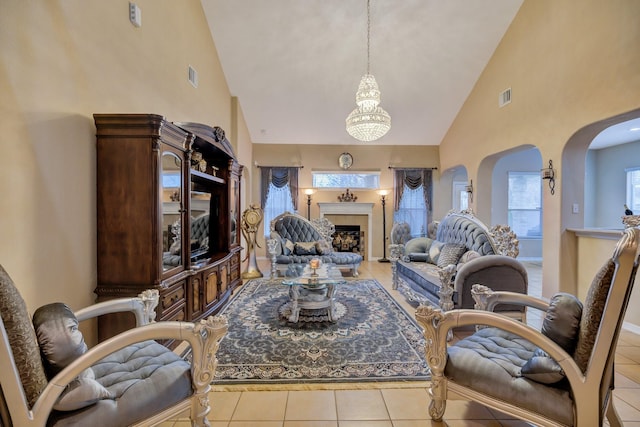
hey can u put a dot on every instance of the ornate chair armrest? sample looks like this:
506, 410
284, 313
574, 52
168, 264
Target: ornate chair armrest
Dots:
486, 299
143, 307
204, 338
436, 325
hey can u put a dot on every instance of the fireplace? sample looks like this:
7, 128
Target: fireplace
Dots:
352, 213
349, 238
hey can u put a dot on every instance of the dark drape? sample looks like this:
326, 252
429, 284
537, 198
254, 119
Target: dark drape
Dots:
279, 177
413, 178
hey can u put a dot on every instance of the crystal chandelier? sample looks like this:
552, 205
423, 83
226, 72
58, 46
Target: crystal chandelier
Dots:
368, 121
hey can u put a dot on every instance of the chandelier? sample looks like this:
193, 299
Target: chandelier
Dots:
368, 121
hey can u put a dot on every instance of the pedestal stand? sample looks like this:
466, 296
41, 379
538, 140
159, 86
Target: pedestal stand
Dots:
251, 219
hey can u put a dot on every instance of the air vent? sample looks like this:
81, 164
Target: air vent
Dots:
504, 98
193, 76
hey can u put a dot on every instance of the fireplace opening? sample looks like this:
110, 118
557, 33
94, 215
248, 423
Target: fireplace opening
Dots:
348, 238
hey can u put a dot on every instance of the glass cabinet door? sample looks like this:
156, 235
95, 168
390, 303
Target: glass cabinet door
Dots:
234, 212
171, 185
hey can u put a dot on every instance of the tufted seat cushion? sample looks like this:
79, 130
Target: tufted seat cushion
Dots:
490, 361
334, 257
136, 376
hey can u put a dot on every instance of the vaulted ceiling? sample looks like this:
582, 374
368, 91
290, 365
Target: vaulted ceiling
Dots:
295, 65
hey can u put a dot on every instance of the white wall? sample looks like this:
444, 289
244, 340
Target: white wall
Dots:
605, 184
528, 160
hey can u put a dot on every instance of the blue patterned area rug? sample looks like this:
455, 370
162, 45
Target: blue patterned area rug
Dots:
373, 338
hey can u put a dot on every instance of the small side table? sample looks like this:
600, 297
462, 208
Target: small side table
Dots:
312, 293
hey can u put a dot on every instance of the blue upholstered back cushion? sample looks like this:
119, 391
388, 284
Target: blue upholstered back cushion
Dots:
296, 229
458, 229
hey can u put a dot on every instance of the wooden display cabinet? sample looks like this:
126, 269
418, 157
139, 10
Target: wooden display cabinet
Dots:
168, 210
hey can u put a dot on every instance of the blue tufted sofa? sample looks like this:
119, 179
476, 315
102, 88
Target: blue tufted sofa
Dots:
475, 254
299, 240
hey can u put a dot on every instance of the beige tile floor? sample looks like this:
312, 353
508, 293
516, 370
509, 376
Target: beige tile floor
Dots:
395, 406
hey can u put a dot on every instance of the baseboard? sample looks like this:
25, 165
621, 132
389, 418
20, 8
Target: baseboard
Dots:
631, 327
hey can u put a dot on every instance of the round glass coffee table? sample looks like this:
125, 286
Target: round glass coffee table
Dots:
312, 293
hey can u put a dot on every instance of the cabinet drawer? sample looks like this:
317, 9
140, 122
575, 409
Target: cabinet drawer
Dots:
172, 296
235, 260
234, 273
178, 314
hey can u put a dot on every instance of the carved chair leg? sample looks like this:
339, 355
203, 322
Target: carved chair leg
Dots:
612, 414
431, 319
438, 394
200, 409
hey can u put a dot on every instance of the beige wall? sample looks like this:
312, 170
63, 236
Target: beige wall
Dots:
365, 158
593, 251
568, 66
62, 61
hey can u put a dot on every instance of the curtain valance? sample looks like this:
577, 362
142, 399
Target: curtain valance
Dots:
413, 178
279, 177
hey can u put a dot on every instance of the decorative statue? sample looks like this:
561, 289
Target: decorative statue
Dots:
251, 220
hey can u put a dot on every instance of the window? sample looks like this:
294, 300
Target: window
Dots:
279, 201
413, 210
460, 196
524, 205
633, 189
365, 180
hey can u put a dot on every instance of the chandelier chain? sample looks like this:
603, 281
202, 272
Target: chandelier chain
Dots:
368, 33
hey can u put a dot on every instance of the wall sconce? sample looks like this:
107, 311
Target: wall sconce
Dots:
383, 201
309, 192
548, 173
469, 190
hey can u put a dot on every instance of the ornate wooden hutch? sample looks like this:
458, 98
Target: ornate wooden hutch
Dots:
168, 212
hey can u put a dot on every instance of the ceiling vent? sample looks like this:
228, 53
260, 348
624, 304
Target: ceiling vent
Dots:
504, 98
193, 76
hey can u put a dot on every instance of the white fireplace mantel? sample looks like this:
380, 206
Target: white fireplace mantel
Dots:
351, 208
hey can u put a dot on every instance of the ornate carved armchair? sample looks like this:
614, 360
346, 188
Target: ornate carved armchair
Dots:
49, 377
559, 376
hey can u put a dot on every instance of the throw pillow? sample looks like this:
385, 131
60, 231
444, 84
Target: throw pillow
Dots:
434, 251
288, 247
542, 369
305, 248
418, 245
592, 314
60, 340
324, 247
450, 254
561, 324
562, 321
418, 257
468, 256
81, 392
